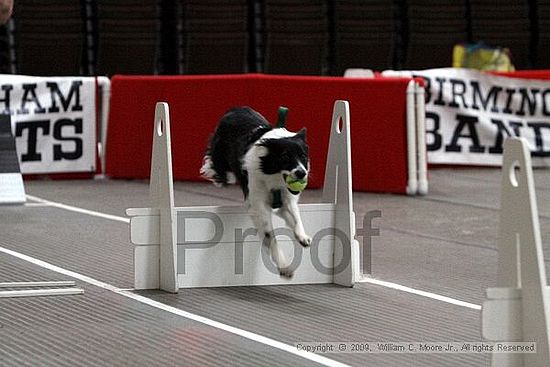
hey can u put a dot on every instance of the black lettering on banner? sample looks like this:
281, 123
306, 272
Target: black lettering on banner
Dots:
545, 103
58, 153
31, 154
458, 89
469, 123
7, 88
539, 141
427, 87
501, 131
516, 125
65, 102
491, 97
509, 95
437, 139
530, 101
30, 88
439, 101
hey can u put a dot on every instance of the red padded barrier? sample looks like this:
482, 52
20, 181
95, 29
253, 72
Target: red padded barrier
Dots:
378, 119
196, 103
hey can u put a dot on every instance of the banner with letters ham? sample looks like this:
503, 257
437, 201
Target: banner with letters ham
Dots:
53, 121
469, 113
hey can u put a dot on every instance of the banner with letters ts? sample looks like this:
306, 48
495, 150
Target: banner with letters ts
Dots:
469, 113
53, 121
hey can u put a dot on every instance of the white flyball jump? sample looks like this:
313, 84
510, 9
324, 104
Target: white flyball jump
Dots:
214, 246
519, 309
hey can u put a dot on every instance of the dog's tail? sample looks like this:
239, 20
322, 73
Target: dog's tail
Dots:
208, 171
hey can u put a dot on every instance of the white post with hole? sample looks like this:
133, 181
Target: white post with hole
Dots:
213, 246
518, 310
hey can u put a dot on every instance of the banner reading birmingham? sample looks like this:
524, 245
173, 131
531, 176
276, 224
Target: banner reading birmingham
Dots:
469, 114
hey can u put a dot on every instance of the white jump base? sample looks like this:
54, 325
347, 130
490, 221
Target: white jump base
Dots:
183, 247
12, 189
518, 309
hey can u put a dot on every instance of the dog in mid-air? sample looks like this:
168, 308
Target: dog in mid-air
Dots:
262, 159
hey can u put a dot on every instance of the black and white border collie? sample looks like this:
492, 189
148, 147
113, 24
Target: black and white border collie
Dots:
246, 149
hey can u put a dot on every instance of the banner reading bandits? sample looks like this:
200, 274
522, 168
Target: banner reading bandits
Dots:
469, 113
53, 121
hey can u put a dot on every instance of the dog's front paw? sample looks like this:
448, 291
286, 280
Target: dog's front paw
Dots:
304, 239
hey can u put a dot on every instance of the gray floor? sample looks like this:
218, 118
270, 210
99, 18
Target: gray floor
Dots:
442, 243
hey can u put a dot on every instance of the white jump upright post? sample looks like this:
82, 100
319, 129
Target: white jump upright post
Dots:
417, 167
421, 139
161, 197
213, 246
519, 309
337, 189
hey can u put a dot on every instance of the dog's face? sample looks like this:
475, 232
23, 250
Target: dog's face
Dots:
288, 156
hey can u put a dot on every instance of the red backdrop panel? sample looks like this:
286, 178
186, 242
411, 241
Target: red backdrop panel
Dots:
197, 102
378, 130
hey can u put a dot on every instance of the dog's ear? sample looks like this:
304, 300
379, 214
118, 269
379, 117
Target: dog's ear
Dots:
301, 134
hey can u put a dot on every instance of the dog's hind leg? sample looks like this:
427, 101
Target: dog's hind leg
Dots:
209, 172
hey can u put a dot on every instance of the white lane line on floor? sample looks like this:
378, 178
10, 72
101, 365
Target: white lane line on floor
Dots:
382, 283
206, 321
79, 210
421, 293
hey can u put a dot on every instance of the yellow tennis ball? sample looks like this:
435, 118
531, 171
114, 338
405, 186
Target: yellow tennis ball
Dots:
296, 185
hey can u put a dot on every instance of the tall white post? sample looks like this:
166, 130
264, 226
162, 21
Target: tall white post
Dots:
337, 189
518, 310
161, 196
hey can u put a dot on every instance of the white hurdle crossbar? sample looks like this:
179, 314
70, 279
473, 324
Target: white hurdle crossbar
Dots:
519, 309
213, 246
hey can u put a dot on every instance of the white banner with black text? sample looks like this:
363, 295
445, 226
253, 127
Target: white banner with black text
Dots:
469, 113
53, 121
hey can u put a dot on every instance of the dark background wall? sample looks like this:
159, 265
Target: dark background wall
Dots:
309, 37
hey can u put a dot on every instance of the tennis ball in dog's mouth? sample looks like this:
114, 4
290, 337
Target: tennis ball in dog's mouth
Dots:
296, 185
